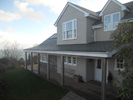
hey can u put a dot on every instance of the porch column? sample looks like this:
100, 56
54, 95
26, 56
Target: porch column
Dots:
62, 70
103, 89
25, 60
38, 60
48, 67
31, 61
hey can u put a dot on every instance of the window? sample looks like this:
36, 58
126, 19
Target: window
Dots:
70, 60
99, 64
69, 30
119, 64
111, 21
74, 60
43, 58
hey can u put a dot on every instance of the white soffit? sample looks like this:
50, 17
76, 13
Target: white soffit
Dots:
117, 2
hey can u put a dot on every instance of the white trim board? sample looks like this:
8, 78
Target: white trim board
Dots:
123, 7
86, 14
97, 26
75, 53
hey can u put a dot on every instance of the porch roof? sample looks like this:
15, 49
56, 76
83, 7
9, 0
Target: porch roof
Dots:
51, 45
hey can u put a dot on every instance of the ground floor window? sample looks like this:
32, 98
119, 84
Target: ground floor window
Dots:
70, 60
119, 64
43, 58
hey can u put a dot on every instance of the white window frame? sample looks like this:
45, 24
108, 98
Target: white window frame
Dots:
111, 21
121, 69
72, 63
64, 33
43, 60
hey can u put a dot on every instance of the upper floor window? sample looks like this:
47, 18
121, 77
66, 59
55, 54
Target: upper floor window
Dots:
111, 21
69, 30
43, 58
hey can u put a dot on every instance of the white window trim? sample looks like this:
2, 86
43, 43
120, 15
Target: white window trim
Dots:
41, 60
121, 69
72, 30
111, 21
72, 64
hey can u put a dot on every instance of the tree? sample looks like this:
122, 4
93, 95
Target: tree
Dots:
13, 53
123, 43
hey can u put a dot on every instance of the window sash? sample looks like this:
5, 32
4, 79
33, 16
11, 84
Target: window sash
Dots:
70, 60
69, 30
43, 58
119, 64
111, 21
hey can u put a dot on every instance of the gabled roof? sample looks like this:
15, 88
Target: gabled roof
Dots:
115, 1
85, 11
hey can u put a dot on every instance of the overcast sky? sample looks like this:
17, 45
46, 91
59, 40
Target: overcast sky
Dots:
30, 22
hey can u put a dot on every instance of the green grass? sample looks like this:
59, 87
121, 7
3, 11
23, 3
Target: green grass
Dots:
24, 85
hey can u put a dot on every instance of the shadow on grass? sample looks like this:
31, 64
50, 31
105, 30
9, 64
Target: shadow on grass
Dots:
22, 84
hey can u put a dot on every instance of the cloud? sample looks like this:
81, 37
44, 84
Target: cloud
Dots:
26, 11
8, 16
9, 29
55, 6
26, 40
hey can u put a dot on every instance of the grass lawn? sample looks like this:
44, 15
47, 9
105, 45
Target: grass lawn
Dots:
24, 85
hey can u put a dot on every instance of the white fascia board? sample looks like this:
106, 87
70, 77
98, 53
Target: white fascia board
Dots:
86, 14
86, 54
97, 26
101, 13
117, 2
61, 14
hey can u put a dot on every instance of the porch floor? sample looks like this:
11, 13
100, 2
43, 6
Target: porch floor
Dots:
90, 90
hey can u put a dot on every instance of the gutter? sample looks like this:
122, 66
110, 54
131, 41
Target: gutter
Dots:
75, 53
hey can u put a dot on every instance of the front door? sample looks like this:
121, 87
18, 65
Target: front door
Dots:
98, 70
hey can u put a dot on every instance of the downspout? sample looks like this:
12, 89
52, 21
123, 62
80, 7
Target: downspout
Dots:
94, 34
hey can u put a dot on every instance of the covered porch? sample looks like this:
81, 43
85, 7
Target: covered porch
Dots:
92, 89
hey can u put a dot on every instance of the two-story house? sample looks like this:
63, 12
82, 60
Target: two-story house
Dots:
82, 44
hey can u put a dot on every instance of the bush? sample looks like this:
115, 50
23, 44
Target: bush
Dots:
2, 78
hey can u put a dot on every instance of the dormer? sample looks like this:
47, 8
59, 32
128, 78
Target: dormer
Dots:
74, 25
112, 13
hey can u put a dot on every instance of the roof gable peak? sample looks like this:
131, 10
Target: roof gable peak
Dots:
123, 7
86, 14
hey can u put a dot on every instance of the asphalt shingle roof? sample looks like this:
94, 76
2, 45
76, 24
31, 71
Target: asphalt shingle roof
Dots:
51, 45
